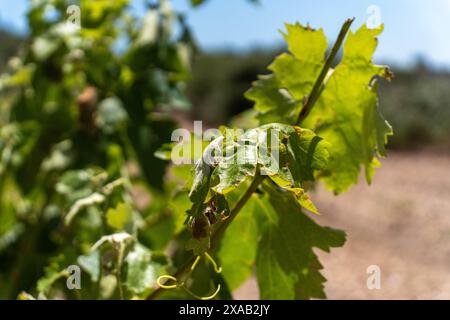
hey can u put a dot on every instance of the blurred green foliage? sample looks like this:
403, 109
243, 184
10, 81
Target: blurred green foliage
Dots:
418, 105
82, 112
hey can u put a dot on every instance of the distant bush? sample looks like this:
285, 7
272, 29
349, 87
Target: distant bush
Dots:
8, 46
418, 106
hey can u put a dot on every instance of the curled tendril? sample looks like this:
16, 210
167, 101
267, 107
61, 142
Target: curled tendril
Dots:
167, 277
178, 284
217, 269
194, 265
212, 296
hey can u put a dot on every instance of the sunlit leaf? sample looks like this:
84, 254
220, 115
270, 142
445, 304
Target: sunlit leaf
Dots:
346, 114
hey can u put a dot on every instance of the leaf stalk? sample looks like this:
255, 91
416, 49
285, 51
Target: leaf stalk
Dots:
319, 84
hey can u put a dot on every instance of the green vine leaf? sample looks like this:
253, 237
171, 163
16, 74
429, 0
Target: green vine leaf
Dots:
90, 263
286, 265
273, 103
199, 246
243, 233
237, 161
279, 96
346, 114
303, 199
236, 157
142, 269
289, 155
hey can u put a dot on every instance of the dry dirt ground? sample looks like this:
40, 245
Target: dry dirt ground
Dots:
401, 223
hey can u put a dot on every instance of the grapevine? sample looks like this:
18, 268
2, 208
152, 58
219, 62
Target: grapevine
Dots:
305, 109
85, 181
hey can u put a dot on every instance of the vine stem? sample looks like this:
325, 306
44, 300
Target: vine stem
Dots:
307, 107
239, 205
319, 84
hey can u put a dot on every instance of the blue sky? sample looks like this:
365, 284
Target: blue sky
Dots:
412, 27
